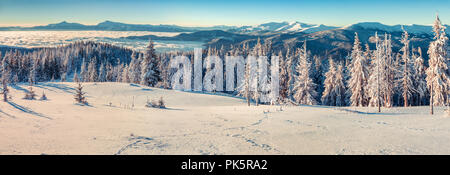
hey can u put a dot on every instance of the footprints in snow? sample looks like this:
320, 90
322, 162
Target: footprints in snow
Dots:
141, 142
307, 124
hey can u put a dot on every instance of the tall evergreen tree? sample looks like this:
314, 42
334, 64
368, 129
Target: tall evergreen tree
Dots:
420, 79
305, 88
359, 76
150, 74
438, 79
407, 76
328, 96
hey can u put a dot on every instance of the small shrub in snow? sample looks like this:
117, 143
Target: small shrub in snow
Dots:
156, 104
30, 95
43, 97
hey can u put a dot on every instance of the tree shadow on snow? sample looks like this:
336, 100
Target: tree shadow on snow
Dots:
27, 110
16, 87
9, 115
134, 85
61, 87
87, 105
366, 113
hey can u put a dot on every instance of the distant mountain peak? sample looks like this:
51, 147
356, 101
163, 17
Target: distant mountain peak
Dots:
410, 28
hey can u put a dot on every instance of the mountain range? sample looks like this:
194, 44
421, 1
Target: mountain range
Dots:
266, 28
321, 39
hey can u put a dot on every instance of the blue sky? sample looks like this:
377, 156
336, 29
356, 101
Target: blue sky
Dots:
231, 12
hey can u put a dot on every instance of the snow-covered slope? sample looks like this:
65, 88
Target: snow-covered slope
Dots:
196, 123
284, 27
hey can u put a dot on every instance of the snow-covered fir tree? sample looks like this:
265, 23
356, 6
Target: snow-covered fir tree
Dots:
150, 74
359, 75
135, 68
340, 87
420, 79
92, 70
75, 77
328, 96
438, 79
407, 71
305, 92
284, 78
388, 72
125, 74
375, 79
244, 89
291, 73
102, 73
5, 76
84, 76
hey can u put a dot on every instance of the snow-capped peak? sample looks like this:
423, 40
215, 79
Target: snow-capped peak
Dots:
293, 26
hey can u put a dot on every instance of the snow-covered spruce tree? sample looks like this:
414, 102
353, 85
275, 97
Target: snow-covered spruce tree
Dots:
102, 73
92, 70
150, 74
317, 75
244, 90
420, 79
5, 90
438, 79
290, 73
75, 77
340, 88
165, 71
407, 71
67, 64
359, 75
284, 78
109, 73
79, 95
388, 75
125, 74
83, 72
135, 68
118, 70
328, 96
304, 87
374, 83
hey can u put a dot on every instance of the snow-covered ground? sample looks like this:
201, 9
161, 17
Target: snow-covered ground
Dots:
196, 123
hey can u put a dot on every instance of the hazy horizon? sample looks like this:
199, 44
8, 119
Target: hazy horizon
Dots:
231, 13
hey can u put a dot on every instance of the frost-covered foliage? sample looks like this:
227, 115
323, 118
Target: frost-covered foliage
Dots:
150, 73
420, 82
381, 83
359, 75
335, 91
377, 77
304, 87
438, 79
407, 71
